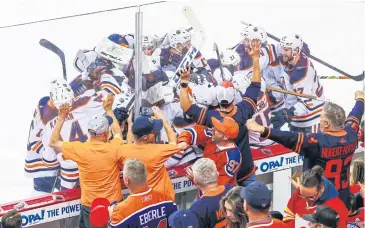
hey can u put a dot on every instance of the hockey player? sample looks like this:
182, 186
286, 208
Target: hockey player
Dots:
75, 128
230, 61
269, 58
298, 75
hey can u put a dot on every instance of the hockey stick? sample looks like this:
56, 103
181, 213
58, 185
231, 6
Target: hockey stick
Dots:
196, 44
333, 77
296, 94
53, 48
357, 78
215, 48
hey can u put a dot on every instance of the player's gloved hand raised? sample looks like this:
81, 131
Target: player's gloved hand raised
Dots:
359, 95
279, 118
121, 114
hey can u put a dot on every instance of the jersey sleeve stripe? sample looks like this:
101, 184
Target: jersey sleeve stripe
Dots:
193, 134
250, 101
37, 145
353, 118
111, 88
202, 115
299, 142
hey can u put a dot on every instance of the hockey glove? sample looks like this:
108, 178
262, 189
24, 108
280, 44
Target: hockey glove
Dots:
121, 114
281, 117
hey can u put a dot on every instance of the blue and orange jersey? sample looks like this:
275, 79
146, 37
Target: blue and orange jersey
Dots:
207, 208
332, 150
227, 159
148, 208
241, 112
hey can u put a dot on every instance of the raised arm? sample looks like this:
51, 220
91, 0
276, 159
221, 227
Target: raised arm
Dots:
55, 141
108, 103
171, 135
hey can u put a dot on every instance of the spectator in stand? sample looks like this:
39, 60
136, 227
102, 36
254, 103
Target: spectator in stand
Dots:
205, 176
356, 175
232, 206
323, 217
153, 155
218, 145
183, 219
145, 207
99, 213
97, 159
332, 148
356, 213
257, 205
11, 219
314, 190
240, 112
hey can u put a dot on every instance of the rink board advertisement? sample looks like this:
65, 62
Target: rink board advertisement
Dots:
272, 164
50, 213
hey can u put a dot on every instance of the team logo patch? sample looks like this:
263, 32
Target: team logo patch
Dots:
172, 173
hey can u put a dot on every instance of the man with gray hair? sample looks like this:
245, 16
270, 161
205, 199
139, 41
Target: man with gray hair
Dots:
205, 177
332, 148
145, 207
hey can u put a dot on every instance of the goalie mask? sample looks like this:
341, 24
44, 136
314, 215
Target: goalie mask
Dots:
179, 38
83, 59
61, 92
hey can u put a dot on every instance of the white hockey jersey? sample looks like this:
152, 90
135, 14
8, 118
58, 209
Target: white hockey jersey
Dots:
74, 129
83, 109
34, 166
302, 78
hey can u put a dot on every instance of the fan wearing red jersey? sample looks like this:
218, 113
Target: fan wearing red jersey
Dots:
219, 146
145, 207
332, 148
314, 190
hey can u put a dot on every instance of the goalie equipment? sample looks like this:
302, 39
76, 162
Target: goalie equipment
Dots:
117, 54
125, 98
60, 92
293, 41
83, 59
179, 36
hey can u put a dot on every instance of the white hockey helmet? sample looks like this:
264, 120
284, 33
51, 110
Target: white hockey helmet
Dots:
61, 92
178, 36
227, 75
252, 32
292, 41
241, 80
230, 57
205, 94
149, 41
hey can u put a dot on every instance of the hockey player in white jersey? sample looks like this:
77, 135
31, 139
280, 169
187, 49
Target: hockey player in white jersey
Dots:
269, 58
298, 75
83, 107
